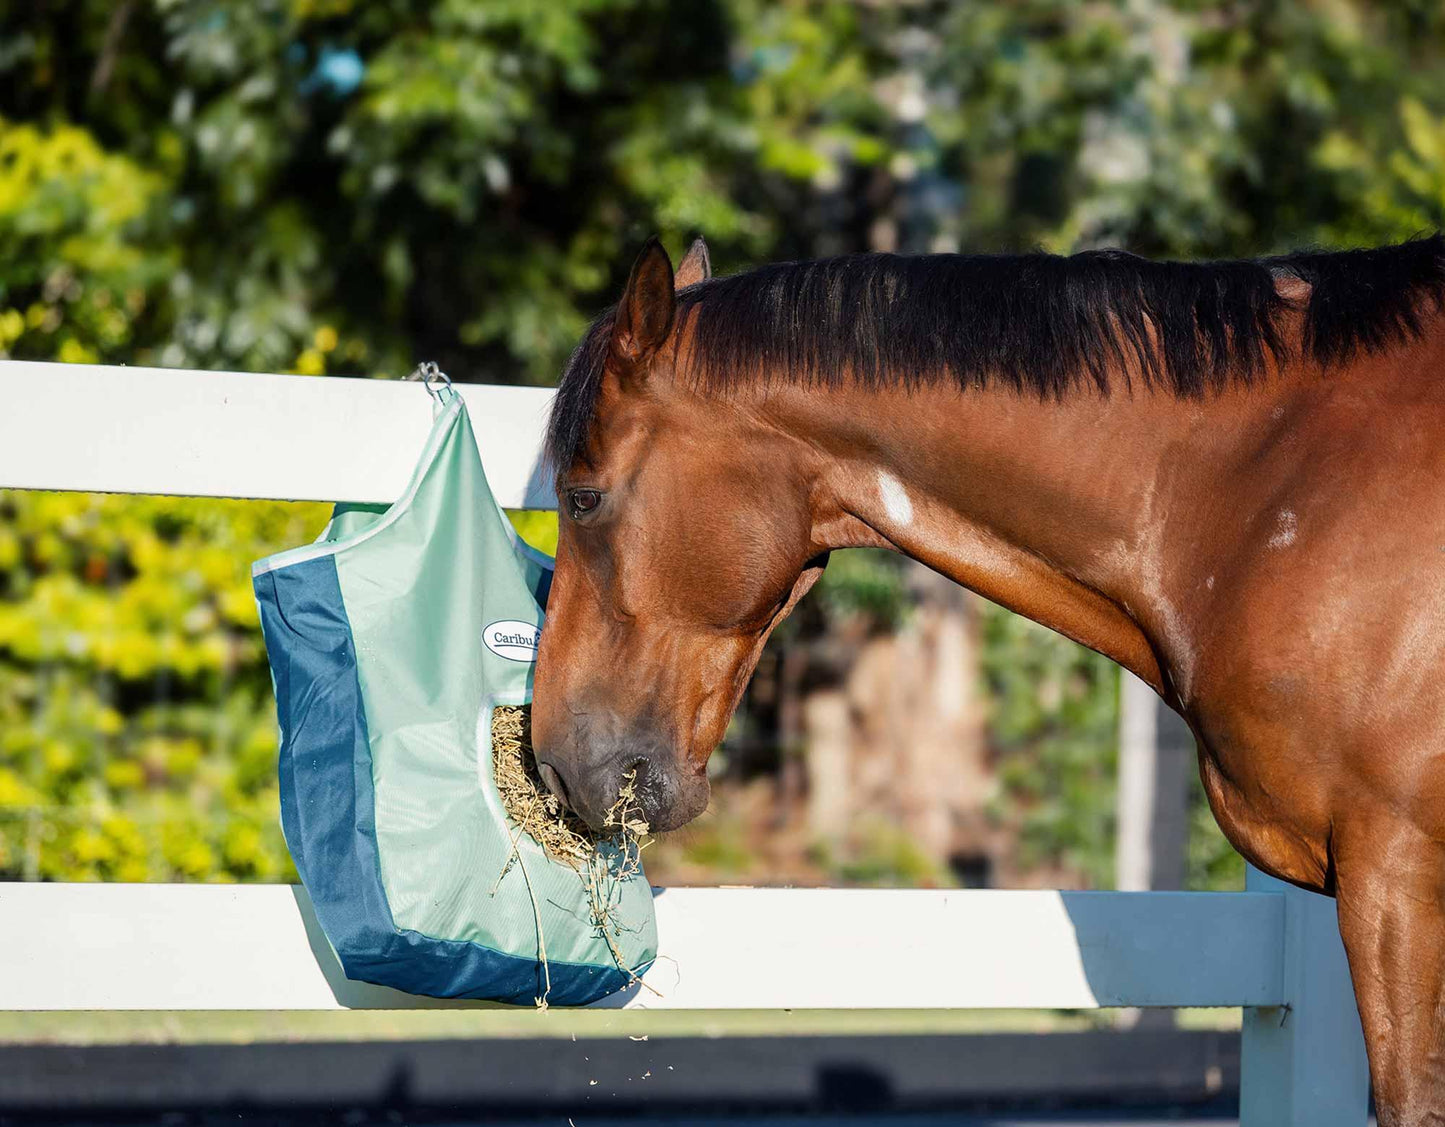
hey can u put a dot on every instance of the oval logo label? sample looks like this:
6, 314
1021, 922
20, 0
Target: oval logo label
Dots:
513, 640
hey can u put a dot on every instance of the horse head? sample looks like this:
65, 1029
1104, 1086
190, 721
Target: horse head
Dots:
684, 540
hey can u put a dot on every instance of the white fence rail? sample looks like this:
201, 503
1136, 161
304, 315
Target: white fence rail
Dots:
224, 434
1274, 950
228, 947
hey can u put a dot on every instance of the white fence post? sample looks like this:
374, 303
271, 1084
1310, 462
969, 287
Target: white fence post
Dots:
1304, 1062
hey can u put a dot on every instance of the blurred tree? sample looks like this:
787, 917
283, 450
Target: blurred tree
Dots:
137, 737
322, 186
1177, 128
326, 186
462, 180
1054, 725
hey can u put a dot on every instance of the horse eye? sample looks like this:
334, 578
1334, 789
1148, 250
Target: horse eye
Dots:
584, 501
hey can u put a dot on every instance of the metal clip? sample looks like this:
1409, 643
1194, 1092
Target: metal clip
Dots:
432, 378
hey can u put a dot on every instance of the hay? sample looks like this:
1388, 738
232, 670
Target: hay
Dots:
534, 809
603, 859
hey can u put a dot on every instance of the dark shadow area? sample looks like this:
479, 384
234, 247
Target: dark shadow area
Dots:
1172, 948
541, 492
689, 1079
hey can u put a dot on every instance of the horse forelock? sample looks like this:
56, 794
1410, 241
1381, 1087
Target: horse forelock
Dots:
577, 391
1035, 323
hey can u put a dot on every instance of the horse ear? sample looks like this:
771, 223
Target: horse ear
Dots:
696, 266
644, 315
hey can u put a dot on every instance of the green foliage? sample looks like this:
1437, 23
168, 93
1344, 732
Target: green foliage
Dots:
1054, 725
1183, 129
538, 529
885, 856
77, 272
137, 736
1211, 862
1404, 193
462, 178
718, 847
865, 582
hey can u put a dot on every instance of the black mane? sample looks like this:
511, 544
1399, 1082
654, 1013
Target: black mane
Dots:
1036, 323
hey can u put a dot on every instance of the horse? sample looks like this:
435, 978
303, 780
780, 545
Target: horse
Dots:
1228, 477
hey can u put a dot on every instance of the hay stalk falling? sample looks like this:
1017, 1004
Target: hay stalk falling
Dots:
603, 859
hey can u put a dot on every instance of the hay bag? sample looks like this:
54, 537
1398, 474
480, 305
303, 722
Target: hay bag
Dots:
398, 643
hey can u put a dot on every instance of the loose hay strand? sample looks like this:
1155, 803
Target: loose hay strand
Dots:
536, 914
602, 860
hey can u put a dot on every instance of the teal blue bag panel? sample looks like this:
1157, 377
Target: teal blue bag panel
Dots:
385, 689
327, 815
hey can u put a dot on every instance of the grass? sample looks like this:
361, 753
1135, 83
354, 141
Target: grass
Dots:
226, 1027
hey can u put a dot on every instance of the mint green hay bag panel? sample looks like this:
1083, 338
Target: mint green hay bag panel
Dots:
391, 640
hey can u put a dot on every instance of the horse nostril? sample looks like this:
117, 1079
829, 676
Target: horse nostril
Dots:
554, 783
634, 776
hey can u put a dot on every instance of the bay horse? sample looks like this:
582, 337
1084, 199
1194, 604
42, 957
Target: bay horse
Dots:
1228, 477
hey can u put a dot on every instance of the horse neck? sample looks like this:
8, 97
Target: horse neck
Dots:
1090, 515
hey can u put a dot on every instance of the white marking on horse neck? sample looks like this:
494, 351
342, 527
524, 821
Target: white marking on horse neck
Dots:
895, 499
1288, 529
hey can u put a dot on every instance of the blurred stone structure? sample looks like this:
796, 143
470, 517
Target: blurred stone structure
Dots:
897, 737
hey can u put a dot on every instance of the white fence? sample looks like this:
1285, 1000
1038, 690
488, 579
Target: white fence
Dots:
1273, 949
